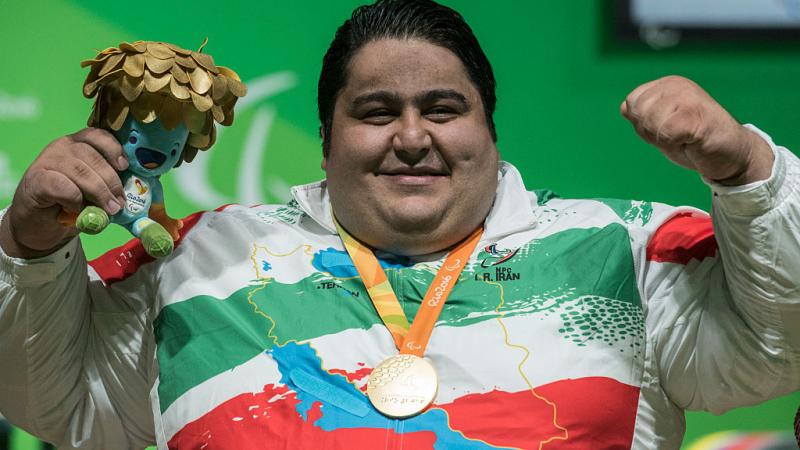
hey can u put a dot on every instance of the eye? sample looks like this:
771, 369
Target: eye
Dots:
133, 140
440, 114
173, 152
378, 116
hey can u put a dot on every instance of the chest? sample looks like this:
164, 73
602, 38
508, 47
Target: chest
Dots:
531, 338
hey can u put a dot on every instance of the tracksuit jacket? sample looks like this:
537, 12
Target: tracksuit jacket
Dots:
577, 324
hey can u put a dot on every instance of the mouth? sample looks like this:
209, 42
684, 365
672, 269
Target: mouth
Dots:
149, 158
419, 170
414, 177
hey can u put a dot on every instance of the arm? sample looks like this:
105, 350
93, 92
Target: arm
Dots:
76, 354
722, 312
725, 318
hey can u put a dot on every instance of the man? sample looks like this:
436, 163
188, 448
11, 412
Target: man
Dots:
571, 325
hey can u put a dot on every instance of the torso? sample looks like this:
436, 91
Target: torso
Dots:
541, 343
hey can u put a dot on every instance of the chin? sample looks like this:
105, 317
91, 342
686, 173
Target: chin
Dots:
416, 220
414, 226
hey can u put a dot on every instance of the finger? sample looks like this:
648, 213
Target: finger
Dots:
106, 144
634, 95
679, 127
99, 164
643, 133
623, 109
652, 110
94, 188
49, 187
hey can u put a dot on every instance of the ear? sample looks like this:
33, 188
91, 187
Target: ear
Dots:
324, 164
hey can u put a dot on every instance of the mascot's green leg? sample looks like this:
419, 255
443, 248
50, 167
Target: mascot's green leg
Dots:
156, 240
91, 220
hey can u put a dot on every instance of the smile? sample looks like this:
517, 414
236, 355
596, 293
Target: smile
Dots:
150, 159
410, 179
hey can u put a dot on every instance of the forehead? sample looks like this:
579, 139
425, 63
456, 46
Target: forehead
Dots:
406, 66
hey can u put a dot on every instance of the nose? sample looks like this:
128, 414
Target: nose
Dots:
412, 141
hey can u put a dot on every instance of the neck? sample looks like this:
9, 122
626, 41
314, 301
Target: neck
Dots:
408, 243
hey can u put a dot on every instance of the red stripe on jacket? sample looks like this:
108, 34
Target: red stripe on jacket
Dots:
118, 264
682, 238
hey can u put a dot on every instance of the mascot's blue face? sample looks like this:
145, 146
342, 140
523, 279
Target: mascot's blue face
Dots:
151, 149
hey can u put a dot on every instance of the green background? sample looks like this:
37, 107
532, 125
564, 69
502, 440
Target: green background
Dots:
561, 77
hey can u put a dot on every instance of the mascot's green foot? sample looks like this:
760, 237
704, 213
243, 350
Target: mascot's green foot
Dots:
91, 220
156, 240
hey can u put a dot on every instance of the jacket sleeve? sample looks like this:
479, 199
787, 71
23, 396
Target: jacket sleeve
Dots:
76, 355
722, 304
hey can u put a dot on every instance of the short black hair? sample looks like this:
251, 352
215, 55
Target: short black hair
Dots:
402, 19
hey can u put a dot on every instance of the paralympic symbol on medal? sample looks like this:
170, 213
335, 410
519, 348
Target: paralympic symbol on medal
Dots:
402, 386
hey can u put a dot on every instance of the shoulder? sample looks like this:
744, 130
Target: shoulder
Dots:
202, 228
596, 212
666, 233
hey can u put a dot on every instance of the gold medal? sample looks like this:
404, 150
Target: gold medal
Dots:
405, 384
402, 386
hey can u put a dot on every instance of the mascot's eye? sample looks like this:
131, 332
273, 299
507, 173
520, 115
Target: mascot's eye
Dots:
173, 152
133, 140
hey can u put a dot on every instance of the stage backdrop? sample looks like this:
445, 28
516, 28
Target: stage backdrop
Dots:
561, 77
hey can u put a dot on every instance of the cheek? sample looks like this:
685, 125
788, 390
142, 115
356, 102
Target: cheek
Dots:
463, 145
358, 145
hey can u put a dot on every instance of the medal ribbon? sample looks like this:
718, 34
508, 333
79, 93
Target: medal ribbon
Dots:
409, 338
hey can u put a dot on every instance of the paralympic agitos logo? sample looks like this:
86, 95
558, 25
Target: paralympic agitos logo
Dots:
497, 256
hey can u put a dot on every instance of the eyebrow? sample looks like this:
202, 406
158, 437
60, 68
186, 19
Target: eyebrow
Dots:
376, 96
425, 97
439, 94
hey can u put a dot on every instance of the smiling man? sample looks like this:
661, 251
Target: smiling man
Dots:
420, 297
412, 164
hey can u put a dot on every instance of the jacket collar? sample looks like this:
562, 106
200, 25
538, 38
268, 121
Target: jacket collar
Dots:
512, 210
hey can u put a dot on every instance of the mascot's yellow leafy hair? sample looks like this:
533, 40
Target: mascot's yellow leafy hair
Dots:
160, 80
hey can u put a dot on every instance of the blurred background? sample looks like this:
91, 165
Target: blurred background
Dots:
562, 68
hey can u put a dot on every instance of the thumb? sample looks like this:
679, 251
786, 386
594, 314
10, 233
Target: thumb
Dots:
623, 109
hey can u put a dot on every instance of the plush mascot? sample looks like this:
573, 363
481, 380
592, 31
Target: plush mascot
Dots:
161, 102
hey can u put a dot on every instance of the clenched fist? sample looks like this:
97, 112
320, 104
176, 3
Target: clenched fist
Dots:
694, 131
70, 173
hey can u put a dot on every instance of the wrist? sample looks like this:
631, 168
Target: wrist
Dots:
758, 161
15, 249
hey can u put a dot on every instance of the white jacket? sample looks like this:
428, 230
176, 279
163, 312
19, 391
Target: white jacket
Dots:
578, 324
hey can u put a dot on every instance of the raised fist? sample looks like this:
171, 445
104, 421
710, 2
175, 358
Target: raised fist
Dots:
691, 129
